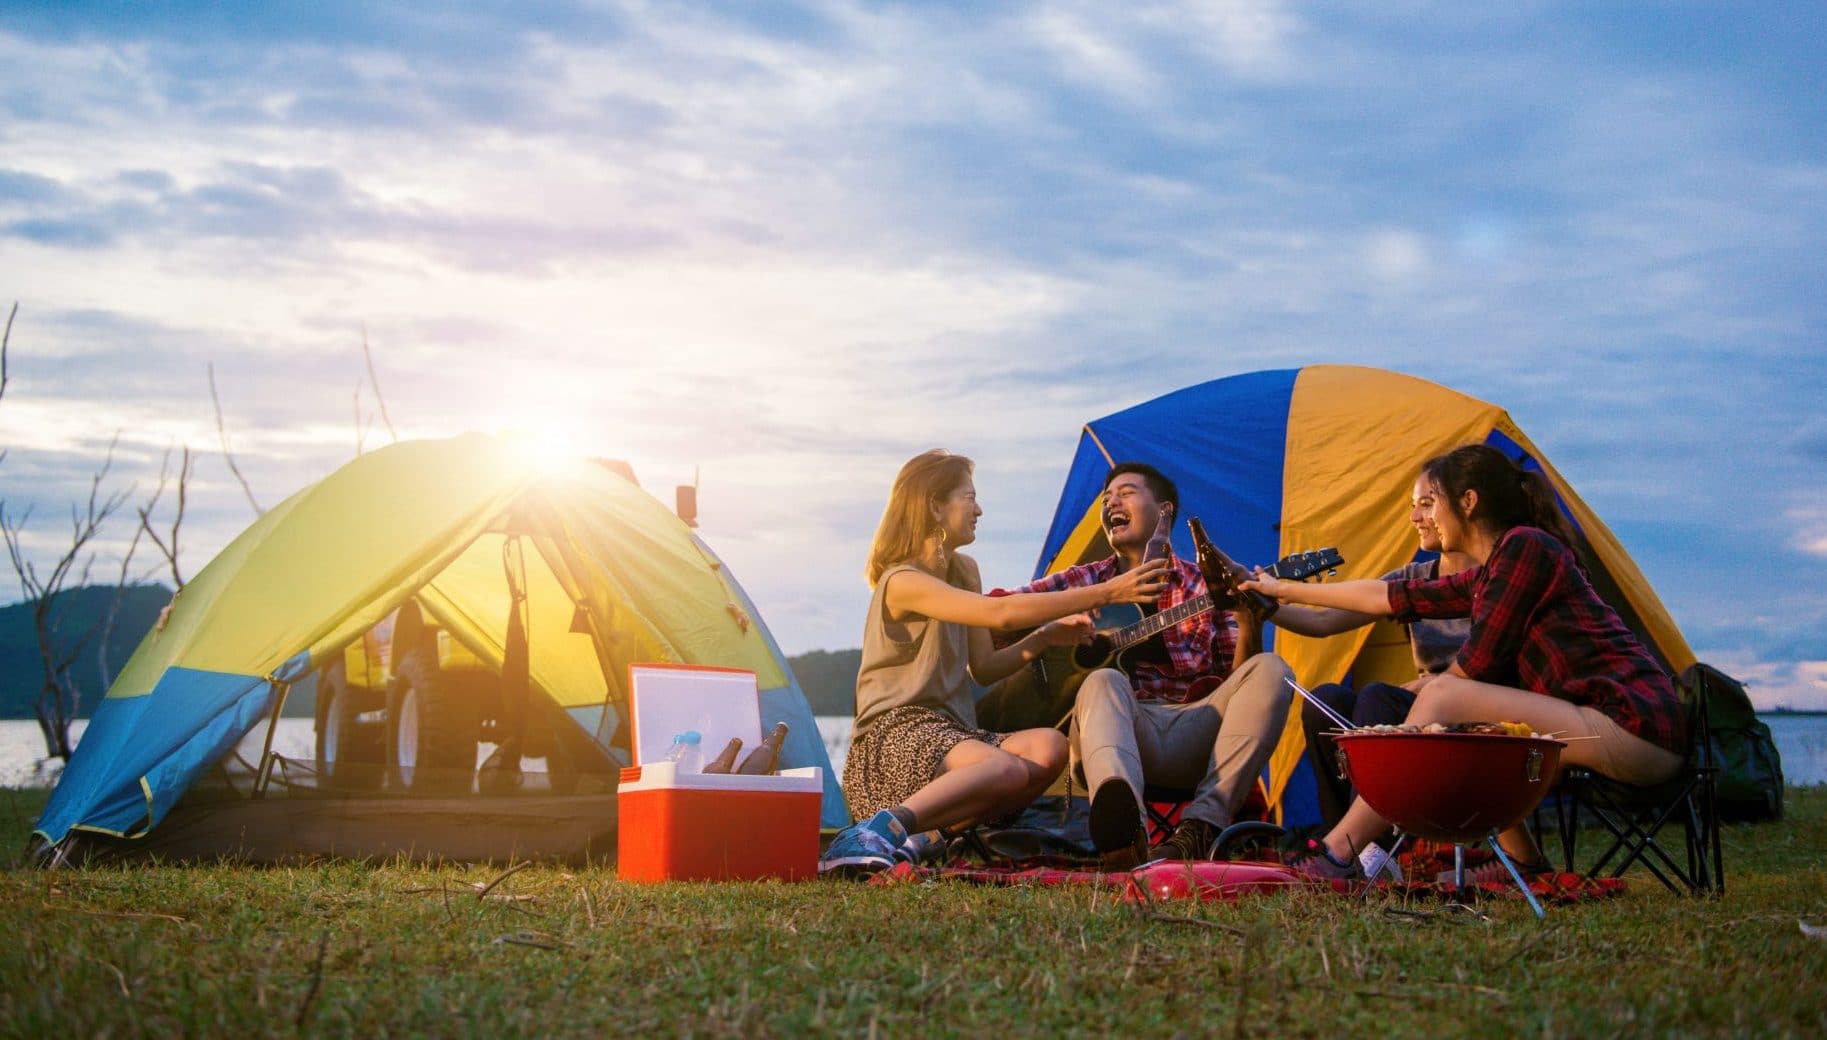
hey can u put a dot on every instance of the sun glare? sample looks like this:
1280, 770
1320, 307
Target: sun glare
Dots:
547, 448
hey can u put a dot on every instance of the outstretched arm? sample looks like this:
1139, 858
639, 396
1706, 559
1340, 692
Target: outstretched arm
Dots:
913, 592
988, 664
1321, 621
1369, 596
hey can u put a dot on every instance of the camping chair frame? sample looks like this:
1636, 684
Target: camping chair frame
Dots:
1635, 816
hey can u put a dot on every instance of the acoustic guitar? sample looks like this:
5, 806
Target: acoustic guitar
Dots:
1042, 693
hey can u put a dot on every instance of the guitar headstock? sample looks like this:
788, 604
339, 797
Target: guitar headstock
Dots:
1303, 565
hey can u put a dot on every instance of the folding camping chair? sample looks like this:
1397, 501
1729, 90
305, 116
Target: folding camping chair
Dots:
1165, 806
1634, 817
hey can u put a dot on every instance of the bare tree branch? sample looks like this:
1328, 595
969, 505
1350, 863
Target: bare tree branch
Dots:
57, 700
169, 550
375, 382
360, 434
114, 603
222, 431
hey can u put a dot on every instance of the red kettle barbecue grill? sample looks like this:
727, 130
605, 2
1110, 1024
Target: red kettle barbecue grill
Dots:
1453, 787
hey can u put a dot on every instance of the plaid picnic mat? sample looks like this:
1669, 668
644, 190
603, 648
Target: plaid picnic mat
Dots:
1206, 881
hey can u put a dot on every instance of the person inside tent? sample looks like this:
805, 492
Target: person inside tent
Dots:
1543, 648
917, 760
1202, 709
1434, 642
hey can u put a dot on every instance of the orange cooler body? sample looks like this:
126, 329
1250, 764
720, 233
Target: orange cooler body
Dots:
717, 827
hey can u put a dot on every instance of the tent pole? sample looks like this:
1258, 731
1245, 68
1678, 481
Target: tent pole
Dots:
265, 776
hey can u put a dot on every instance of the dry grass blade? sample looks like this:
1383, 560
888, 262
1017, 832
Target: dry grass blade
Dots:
120, 913
482, 893
1148, 914
317, 979
1534, 941
537, 940
119, 977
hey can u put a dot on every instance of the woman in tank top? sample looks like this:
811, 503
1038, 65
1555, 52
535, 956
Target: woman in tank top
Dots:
917, 760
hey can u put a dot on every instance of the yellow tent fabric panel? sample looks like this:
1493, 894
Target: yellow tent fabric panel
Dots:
1351, 464
648, 562
279, 588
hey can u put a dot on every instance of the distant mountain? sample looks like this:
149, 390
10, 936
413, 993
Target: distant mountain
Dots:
82, 611
829, 679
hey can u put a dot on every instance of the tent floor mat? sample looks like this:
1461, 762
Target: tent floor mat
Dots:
276, 831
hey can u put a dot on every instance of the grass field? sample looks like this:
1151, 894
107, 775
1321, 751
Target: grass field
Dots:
401, 950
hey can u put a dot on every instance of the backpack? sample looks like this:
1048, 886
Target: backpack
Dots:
1749, 785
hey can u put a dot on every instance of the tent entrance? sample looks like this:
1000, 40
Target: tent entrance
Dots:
481, 682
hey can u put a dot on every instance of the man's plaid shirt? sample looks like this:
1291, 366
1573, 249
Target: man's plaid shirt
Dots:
1197, 647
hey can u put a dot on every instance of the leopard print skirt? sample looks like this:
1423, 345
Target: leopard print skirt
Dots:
900, 753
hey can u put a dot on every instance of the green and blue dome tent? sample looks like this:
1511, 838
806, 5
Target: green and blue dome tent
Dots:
609, 577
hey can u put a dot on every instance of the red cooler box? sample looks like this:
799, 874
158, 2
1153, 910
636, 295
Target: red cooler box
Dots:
717, 826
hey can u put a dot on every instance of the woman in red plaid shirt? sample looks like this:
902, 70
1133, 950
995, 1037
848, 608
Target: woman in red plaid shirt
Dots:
1543, 649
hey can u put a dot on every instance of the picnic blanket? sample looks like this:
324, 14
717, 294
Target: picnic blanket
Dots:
1228, 881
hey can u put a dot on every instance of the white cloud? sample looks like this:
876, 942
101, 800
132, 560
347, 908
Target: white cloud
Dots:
1396, 256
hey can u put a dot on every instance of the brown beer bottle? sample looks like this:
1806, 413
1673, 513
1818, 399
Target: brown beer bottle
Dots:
764, 759
726, 759
1160, 544
1219, 581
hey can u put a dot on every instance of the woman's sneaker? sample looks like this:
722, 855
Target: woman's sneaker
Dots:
1313, 860
864, 848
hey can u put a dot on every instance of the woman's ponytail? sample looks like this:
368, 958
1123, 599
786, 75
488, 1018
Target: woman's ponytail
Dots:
1544, 508
1508, 494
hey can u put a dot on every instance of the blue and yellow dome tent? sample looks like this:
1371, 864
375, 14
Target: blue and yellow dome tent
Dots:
612, 578
1282, 461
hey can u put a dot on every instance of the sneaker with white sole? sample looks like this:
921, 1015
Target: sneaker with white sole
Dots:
1313, 860
1378, 863
864, 848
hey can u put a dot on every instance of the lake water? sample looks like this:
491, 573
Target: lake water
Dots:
1800, 739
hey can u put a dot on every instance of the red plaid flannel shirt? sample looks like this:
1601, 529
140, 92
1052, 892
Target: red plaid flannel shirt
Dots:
1197, 647
1537, 625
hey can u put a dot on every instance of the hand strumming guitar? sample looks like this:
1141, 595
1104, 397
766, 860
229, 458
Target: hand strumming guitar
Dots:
1071, 630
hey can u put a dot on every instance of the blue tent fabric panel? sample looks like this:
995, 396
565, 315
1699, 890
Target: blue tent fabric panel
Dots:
140, 754
1242, 419
225, 722
87, 787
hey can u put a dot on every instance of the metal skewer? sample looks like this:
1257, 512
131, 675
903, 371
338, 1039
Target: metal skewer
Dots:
1326, 709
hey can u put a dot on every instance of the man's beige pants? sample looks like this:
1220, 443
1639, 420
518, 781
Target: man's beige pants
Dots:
1216, 746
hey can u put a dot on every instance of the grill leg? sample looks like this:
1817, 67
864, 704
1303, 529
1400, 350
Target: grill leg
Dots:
1515, 875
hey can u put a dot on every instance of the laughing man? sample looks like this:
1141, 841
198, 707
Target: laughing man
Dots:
1201, 708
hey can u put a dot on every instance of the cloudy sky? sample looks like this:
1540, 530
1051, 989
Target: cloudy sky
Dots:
787, 245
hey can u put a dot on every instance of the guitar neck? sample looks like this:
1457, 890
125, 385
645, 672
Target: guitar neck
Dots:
1159, 622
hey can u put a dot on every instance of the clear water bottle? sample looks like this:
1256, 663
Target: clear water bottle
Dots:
687, 751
